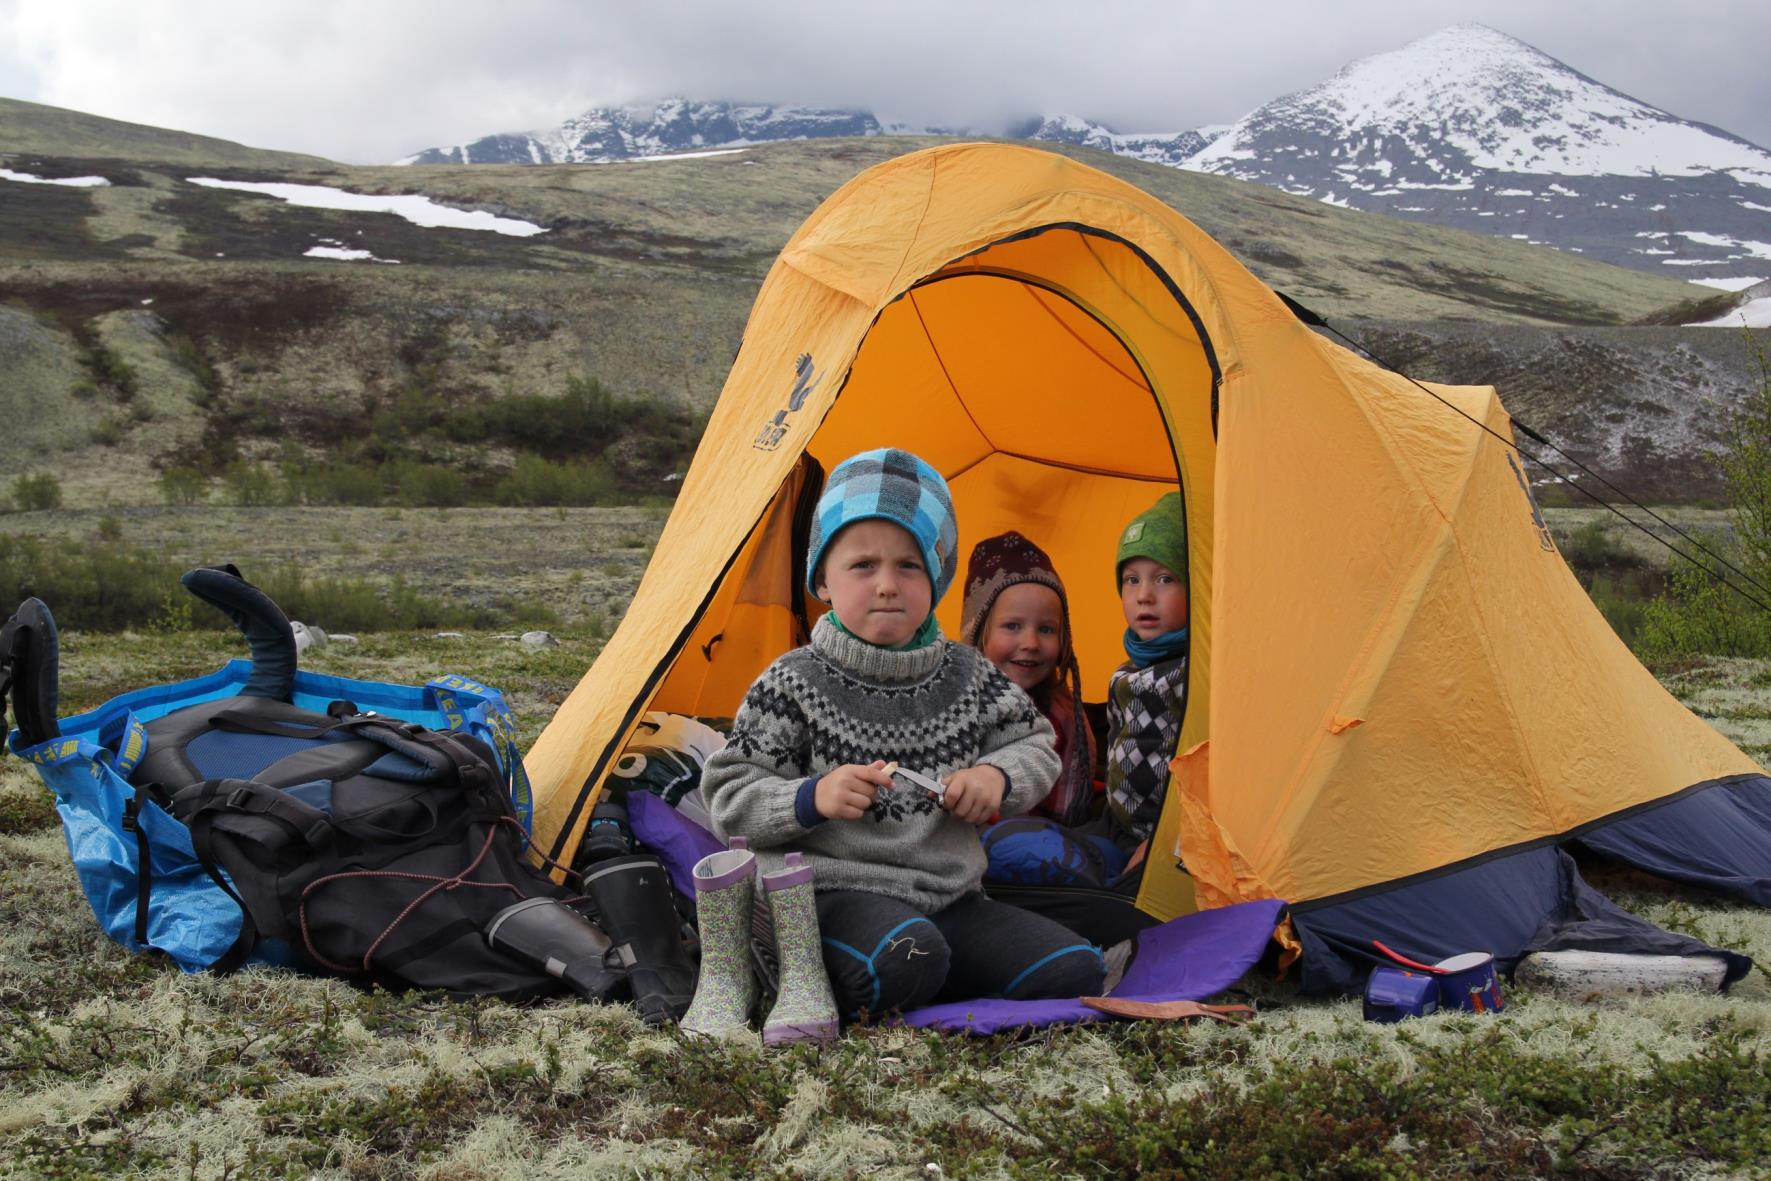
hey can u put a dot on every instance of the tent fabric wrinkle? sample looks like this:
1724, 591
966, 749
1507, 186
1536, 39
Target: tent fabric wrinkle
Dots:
1401, 702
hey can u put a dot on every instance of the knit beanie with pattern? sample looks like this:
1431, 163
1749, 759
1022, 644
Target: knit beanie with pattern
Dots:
996, 564
888, 485
1158, 533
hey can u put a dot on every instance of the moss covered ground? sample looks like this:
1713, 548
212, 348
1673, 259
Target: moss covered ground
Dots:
118, 1065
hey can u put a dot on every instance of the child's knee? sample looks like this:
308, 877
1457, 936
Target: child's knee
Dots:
906, 968
1074, 970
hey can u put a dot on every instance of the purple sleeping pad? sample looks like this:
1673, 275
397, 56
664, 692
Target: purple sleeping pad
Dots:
1185, 959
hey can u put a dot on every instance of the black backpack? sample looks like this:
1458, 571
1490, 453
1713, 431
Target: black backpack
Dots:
374, 847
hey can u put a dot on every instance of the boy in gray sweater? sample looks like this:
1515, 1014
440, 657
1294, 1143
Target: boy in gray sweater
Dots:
810, 762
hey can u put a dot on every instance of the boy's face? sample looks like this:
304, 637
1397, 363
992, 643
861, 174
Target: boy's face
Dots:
1154, 599
874, 578
1025, 633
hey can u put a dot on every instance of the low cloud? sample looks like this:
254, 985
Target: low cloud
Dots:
372, 82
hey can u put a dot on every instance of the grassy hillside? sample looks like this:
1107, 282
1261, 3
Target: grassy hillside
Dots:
154, 323
31, 129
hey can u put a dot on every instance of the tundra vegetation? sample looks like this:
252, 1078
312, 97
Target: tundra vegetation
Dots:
444, 447
119, 1065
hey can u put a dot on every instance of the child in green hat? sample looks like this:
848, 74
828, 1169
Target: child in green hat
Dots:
1147, 695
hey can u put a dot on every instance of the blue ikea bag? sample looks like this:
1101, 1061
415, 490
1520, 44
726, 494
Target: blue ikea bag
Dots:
136, 863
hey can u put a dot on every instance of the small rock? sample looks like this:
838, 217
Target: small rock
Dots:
540, 639
307, 635
448, 636
343, 638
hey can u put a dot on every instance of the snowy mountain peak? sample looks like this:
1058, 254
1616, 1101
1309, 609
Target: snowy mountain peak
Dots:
1471, 128
673, 125
1158, 147
1476, 99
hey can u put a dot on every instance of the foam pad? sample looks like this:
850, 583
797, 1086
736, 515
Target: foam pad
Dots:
262, 622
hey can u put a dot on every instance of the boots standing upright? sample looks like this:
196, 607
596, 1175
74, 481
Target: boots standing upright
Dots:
725, 888
804, 1008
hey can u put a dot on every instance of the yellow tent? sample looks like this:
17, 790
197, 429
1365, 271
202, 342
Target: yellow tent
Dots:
1392, 670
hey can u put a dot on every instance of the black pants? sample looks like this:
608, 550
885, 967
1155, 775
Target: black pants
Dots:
885, 955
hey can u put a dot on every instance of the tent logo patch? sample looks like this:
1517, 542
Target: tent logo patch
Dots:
1544, 540
805, 380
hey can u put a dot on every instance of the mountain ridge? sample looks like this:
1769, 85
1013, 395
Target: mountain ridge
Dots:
1466, 127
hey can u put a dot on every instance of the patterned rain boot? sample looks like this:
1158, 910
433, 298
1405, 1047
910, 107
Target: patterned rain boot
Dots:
725, 886
804, 1008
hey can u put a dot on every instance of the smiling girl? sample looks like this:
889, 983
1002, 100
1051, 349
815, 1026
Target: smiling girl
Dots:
1017, 614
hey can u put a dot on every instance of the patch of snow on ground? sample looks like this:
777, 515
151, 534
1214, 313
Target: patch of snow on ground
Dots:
420, 211
681, 156
333, 248
1727, 284
84, 182
1753, 249
1754, 314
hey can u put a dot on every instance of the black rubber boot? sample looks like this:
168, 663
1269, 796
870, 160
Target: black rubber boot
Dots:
549, 935
634, 904
30, 672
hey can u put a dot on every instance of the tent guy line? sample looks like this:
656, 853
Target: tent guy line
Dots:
1310, 317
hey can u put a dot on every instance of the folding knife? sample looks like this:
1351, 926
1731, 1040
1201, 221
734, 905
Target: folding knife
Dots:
933, 786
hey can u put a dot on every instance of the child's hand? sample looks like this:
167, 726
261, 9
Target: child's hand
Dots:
847, 792
975, 794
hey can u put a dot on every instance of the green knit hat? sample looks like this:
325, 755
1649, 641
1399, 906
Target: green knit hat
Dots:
1158, 533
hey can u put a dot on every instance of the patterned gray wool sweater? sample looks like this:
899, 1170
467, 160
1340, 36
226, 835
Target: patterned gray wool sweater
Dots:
838, 700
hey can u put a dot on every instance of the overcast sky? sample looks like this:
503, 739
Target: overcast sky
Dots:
368, 81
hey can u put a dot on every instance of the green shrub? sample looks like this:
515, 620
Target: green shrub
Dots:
188, 355
111, 370
106, 431
1620, 582
427, 484
103, 586
250, 483
358, 605
183, 485
536, 481
1719, 604
1701, 615
36, 492
111, 586
342, 483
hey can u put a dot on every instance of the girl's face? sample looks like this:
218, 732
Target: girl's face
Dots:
875, 581
1024, 634
1154, 599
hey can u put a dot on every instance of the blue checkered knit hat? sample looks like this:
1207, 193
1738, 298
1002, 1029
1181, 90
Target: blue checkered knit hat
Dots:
888, 485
